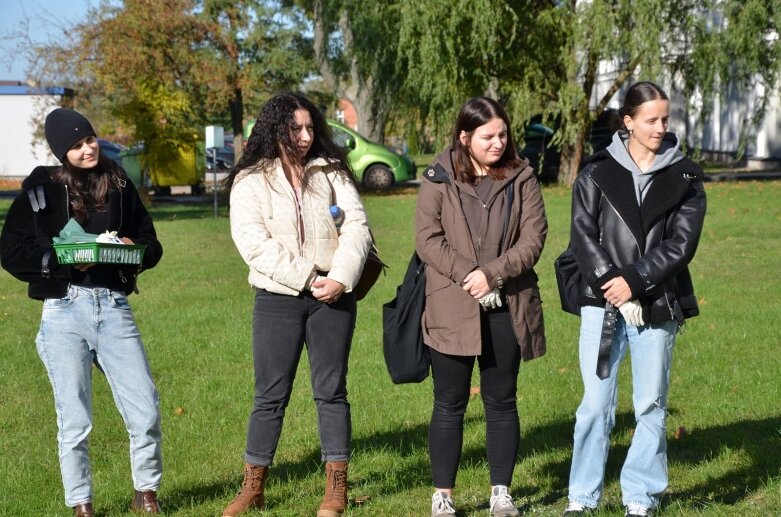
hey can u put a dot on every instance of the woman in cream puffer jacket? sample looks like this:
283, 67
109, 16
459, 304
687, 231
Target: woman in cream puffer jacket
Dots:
266, 232
303, 267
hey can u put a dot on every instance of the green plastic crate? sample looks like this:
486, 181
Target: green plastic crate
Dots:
99, 253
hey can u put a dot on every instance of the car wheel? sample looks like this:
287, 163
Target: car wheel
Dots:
378, 177
162, 191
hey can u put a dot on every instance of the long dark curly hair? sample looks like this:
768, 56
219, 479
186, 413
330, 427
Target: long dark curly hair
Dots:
476, 112
89, 188
272, 137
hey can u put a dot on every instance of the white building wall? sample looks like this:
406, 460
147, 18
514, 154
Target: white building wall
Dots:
19, 152
719, 135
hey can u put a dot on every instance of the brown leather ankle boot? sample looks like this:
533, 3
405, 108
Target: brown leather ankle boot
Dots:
251, 494
335, 498
83, 510
145, 502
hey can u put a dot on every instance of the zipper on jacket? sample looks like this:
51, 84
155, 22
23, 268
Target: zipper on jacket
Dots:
121, 207
67, 204
637, 245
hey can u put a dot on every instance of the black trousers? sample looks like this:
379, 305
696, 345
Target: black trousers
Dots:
281, 326
499, 363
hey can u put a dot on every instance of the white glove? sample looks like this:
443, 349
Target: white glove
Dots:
491, 300
632, 312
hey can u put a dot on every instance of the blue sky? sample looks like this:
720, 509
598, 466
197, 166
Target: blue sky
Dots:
43, 15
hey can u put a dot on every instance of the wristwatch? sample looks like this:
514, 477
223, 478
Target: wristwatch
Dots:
499, 281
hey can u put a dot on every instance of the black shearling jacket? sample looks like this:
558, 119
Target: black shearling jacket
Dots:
26, 239
649, 245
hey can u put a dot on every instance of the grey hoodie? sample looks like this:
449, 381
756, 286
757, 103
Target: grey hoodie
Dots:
668, 154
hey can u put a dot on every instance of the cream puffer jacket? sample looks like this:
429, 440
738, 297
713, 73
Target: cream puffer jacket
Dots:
265, 229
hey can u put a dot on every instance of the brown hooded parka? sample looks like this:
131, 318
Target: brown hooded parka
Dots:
451, 321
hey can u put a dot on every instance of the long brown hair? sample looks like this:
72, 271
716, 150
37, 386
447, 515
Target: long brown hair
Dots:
88, 188
474, 113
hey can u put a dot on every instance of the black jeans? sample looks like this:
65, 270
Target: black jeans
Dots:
499, 364
281, 326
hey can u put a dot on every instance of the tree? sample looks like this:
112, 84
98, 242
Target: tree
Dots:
355, 46
256, 47
544, 57
145, 56
135, 65
166, 68
699, 46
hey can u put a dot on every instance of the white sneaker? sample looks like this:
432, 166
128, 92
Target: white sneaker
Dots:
576, 509
501, 504
442, 505
636, 510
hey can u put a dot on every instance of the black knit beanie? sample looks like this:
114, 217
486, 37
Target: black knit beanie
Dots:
64, 128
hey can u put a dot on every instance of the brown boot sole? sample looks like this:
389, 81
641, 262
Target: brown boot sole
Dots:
225, 512
328, 513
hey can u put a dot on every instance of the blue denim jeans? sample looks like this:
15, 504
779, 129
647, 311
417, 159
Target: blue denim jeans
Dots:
282, 324
97, 325
644, 473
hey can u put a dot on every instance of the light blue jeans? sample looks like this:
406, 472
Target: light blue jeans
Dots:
98, 325
644, 474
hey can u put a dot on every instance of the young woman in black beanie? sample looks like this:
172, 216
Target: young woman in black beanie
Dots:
86, 315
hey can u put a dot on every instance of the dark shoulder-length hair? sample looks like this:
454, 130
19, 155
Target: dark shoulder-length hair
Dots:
272, 137
638, 94
88, 189
476, 112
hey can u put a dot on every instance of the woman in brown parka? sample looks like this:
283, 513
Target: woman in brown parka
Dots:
481, 227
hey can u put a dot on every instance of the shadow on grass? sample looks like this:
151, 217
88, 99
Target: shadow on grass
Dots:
759, 440
755, 438
404, 443
752, 439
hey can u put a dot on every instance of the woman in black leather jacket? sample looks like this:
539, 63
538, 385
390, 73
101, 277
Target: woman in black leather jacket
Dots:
637, 214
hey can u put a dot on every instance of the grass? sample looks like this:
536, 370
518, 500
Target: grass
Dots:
195, 310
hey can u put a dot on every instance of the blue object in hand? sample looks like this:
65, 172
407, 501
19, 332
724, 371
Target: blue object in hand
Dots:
338, 214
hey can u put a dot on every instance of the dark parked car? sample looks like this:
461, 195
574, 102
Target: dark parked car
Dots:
224, 155
111, 150
545, 158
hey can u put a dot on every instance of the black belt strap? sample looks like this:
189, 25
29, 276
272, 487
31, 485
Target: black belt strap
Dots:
606, 341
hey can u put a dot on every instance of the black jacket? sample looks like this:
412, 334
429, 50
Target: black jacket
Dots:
26, 240
650, 245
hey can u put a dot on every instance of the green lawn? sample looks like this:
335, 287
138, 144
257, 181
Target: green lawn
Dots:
195, 309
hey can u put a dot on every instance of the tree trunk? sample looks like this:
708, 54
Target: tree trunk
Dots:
371, 123
237, 122
571, 156
356, 89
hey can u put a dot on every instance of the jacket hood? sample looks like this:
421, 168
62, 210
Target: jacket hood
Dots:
39, 176
442, 170
668, 154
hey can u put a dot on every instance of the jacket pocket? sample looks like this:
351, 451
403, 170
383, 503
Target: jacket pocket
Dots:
435, 281
529, 324
447, 306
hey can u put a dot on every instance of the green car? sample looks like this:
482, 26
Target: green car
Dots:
376, 166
